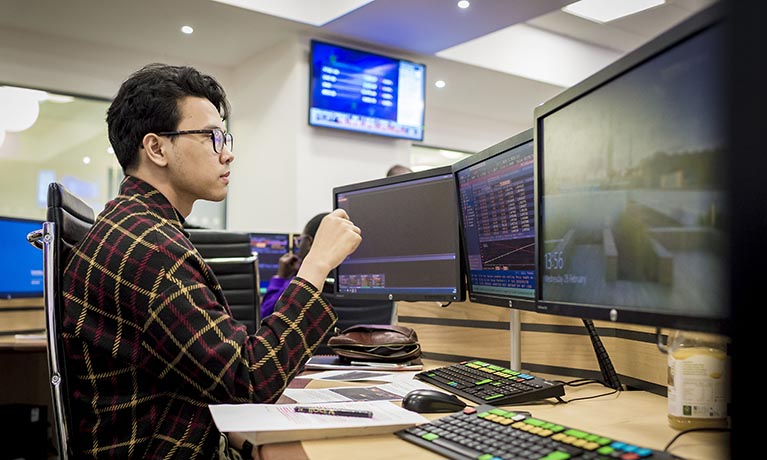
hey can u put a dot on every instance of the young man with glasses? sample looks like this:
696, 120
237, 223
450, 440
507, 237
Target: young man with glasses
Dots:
149, 338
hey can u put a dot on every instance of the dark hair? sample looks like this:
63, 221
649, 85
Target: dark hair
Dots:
147, 102
396, 170
314, 224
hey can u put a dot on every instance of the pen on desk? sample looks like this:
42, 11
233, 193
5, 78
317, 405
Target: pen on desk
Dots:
338, 412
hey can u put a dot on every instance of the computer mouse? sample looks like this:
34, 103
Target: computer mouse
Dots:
424, 400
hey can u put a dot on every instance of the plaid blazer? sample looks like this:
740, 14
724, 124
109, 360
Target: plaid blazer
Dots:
150, 341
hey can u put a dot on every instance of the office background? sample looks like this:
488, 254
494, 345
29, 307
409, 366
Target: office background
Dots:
284, 169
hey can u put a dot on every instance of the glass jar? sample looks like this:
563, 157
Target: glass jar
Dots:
698, 380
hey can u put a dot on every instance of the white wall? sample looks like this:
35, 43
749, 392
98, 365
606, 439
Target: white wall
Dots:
284, 170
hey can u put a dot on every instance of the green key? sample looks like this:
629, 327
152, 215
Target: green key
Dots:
576, 433
556, 455
485, 457
430, 436
482, 382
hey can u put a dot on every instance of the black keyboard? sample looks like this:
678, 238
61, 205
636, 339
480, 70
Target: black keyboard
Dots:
484, 383
491, 433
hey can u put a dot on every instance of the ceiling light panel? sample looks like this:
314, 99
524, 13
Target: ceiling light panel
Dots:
313, 12
533, 53
607, 10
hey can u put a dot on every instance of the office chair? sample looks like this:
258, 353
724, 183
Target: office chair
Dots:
229, 256
68, 220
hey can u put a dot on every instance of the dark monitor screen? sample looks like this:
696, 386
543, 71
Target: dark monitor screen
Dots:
496, 195
270, 247
632, 194
410, 246
21, 273
356, 90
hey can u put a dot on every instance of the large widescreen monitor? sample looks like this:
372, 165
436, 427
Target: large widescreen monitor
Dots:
270, 247
21, 273
410, 246
632, 205
496, 196
356, 90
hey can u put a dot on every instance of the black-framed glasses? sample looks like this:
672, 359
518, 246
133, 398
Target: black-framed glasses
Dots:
219, 137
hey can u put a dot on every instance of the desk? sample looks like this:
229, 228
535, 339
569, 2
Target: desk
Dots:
634, 416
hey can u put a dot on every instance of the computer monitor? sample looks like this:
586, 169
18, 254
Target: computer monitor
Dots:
21, 272
496, 195
631, 167
410, 246
270, 247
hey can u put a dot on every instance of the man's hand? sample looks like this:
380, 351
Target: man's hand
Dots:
336, 238
288, 265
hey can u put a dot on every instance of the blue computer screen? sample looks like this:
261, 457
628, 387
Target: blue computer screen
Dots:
21, 273
270, 247
360, 91
496, 192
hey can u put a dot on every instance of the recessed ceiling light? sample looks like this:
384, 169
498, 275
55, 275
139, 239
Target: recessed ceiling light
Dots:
463, 4
86, 160
439, 83
607, 10
187, 29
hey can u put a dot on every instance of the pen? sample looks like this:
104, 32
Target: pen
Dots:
339, 412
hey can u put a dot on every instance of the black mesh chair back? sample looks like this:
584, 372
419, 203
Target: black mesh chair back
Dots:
68, 220
230, 257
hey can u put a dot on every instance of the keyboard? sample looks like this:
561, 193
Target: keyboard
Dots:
484, 383
488, 432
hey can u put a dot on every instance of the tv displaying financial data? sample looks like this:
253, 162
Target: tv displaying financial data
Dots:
360, 91
270, 247
21, 273
410, 247
632, 177
496, 195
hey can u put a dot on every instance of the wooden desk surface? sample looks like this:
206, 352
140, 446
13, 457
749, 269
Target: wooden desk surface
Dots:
634, 416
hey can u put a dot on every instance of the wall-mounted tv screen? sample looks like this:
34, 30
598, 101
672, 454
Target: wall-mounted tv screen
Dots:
359, 91
21, 274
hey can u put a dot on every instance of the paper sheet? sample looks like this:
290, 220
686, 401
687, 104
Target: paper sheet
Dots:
389, 392
281, 417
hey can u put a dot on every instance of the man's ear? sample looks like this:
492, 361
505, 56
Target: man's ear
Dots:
154, 148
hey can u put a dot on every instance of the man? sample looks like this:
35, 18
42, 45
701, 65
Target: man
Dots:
288, 265
148, 335
398, 169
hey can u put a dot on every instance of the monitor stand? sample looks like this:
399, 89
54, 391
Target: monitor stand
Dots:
515, 339
609, 376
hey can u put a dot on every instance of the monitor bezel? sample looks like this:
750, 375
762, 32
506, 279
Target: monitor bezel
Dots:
310, 99
8, 295
460, 282
508, 301
695, 25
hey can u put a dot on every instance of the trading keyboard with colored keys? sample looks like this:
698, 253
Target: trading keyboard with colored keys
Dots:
485, 383
487, 432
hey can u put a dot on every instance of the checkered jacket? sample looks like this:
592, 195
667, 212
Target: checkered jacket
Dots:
150, 340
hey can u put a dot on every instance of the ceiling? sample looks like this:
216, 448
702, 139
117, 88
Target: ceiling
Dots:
480, 52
